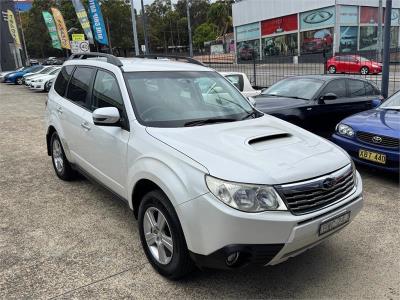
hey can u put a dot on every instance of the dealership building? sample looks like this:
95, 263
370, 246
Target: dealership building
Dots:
299, 27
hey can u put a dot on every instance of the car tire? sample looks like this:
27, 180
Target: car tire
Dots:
46, 87
18, 81
331, 69
364, 71
159, 227
61, 165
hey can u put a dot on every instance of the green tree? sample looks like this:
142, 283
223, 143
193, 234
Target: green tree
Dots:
204, 33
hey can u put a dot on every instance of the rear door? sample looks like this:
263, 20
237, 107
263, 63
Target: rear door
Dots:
103, 149
361, 95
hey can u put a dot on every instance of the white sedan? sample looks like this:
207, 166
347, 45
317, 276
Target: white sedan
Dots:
242, 82
41, 83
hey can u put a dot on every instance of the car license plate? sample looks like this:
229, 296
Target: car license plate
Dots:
334, 223
372, 156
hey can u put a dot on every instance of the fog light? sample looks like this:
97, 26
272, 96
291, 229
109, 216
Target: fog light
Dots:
232, 258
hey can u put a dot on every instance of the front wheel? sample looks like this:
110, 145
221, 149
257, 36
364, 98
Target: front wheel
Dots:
364, 71
162, 236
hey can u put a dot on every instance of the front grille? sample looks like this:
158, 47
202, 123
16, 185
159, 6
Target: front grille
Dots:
311, 195
378, 140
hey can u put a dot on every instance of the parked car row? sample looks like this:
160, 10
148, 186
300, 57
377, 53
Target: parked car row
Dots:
349, 111
36, 77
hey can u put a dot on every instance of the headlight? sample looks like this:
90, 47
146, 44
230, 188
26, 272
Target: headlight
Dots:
345, 130
245, 197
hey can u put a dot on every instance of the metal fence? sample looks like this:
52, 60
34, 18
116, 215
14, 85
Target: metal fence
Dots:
263, 72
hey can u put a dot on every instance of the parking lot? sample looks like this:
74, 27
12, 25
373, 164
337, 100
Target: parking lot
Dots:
74, 240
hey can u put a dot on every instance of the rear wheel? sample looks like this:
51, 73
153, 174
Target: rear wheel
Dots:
61, 165
18, 81
162, 236
332, 69
364, 71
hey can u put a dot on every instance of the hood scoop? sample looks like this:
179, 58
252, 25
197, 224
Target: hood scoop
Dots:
266, 138
271, 141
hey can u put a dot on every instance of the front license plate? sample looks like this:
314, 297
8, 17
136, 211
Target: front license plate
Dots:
334, 223
372, 156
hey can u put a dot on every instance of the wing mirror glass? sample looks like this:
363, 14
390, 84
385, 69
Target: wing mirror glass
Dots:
106, 116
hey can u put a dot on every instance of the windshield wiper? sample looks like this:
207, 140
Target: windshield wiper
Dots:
208, 121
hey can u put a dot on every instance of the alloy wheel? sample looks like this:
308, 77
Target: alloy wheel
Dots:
158, 235
364, 71
58, 156
332, 70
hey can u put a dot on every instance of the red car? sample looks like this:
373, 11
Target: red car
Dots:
352, 64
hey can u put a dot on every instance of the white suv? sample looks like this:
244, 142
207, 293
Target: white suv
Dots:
212, 181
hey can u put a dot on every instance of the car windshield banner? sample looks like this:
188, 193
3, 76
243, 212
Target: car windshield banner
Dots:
12, 26
51, 26
97, 22
83, 19
61, 28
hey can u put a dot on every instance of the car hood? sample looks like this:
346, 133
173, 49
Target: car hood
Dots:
267, 104
284, 153
378, 121
44, 77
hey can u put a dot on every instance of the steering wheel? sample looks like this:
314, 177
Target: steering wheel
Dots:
151, 110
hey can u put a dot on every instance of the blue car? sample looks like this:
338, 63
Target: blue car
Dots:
372, 137
16, 77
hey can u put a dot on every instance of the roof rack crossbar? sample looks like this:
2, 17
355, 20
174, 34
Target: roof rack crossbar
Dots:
110, 58
176, 57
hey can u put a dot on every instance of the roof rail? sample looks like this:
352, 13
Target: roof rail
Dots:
110, 58
176, 57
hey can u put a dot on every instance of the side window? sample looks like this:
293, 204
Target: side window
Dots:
337, 87
106, 91
62, 80
78, 87
370, 90
237, 81
356, 88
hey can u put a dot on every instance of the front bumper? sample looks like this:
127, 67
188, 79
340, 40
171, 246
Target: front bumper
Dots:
353, 146
37, 86
265, 238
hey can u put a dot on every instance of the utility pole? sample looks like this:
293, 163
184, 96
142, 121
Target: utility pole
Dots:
134, 29
379, 48
386, 50
144, 18
188, 5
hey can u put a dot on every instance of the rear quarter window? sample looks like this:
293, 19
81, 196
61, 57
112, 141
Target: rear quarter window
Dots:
62, 80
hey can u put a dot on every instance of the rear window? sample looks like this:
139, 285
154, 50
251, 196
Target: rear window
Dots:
62, 80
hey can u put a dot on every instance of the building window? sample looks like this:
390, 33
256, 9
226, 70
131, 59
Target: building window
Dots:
248, 50
316, 40
279, 45
348, 38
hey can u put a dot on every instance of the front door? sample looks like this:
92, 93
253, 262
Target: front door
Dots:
104, 148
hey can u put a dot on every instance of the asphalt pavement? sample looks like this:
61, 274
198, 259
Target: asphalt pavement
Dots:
74, 240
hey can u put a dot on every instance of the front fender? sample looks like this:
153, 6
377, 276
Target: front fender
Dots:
181, 181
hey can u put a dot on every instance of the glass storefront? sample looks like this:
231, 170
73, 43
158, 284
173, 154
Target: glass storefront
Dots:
279, 45
368, 37
246, 50
316, 40
348, 39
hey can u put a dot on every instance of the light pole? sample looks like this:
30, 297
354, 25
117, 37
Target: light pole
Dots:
134, 29
188, 5
144, 19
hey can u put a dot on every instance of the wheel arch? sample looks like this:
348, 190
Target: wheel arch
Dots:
50, 131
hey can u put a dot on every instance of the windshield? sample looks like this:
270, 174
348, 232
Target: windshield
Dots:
46, 71
392, 103
363, 59
54, 71
304, 88
180, 98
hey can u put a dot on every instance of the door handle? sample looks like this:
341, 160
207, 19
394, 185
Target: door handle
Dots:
59, 110
85, 125
309, 108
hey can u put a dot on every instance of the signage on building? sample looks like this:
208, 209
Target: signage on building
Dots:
369, 15
248, 32
348, 14
279, 25
323, 17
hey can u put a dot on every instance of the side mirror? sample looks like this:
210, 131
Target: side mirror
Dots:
327, 96
252, 101
106, 116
